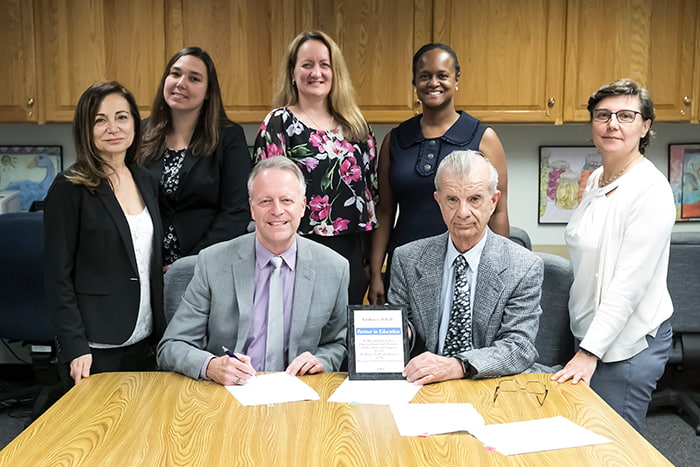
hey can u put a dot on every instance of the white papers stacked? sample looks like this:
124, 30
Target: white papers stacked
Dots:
380, 392
507, 438
434, 419
536, 435
273, 388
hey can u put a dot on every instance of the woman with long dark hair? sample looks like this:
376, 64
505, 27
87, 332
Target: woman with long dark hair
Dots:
200, 158
103, 264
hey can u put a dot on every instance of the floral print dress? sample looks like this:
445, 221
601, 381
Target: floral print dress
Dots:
169, 186
341, 176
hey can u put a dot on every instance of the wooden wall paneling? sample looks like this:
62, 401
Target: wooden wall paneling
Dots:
511, 54
19, 101
70, 56
134, 47
246, 39
649, 41
83, 42
695, 92
378, 40
606, 40
672, 52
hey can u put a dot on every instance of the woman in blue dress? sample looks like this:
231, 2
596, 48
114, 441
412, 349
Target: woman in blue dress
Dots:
410, 156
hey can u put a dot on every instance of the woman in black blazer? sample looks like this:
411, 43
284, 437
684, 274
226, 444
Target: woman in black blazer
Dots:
103, 261
199, 157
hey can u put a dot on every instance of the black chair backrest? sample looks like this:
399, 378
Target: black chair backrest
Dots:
176, 280
554, 342
520, 237
684, 281
24, 313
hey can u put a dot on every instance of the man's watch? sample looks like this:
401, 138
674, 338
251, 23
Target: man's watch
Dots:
467, 369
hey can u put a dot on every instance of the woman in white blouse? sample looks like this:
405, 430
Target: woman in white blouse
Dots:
618, 240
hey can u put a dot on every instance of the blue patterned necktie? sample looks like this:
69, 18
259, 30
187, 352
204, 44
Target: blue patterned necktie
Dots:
459, 329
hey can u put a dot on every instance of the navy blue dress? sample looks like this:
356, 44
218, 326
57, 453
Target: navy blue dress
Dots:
414, 160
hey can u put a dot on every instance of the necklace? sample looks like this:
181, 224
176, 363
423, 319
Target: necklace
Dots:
602, 183
316, 125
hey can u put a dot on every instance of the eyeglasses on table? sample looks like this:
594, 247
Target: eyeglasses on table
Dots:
531, 387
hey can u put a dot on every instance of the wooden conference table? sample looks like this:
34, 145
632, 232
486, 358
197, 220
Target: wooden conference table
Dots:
129, 419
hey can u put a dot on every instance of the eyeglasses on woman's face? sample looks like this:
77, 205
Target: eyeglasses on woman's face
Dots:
622, 116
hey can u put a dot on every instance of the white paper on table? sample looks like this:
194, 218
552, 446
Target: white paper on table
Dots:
536, 435
273, 388
380, 392
433, 419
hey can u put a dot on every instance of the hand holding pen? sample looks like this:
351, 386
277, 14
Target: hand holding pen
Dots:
230, 369
247, 371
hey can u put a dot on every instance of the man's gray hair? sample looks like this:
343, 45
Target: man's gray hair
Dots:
459, 163
280, 163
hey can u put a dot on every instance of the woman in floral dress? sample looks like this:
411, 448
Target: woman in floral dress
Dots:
317, 124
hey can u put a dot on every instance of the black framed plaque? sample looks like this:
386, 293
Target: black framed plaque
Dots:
377, 341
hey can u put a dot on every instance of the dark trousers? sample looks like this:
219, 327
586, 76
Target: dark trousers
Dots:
137, 357
627, 385
351, 247
140, 356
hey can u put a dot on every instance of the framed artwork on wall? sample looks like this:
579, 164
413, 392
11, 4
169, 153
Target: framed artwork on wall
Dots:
564, 171
29, 170
684, 177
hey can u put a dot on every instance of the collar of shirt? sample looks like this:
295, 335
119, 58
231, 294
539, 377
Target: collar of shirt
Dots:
473, 256
263, 255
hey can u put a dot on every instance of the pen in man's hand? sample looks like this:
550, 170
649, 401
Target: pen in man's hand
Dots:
231, 354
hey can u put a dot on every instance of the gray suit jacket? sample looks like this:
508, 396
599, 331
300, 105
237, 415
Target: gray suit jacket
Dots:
216, 307
505, 308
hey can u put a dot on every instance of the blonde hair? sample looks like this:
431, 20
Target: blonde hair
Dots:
279, 163
341, 99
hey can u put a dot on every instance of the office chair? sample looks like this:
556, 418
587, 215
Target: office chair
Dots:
175, 281
24, 315
684, 361
520, 237
555, 342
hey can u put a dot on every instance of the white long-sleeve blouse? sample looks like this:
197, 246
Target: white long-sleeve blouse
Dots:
619, 240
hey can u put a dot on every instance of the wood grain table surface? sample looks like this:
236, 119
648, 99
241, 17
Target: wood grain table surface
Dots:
160, 418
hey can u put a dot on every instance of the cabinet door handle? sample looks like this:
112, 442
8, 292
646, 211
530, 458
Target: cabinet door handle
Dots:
551, 102
687, 100
30, 102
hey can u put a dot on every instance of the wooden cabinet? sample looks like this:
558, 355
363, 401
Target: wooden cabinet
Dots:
695, 98
249, 39
652, 42
80, 42
246, 40
511, 54
378, 40
18, 93
522, 61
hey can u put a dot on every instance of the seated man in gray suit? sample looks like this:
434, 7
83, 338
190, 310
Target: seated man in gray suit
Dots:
473, 296
231, 298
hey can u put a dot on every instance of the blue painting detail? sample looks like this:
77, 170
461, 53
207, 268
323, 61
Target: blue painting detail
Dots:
29, 170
